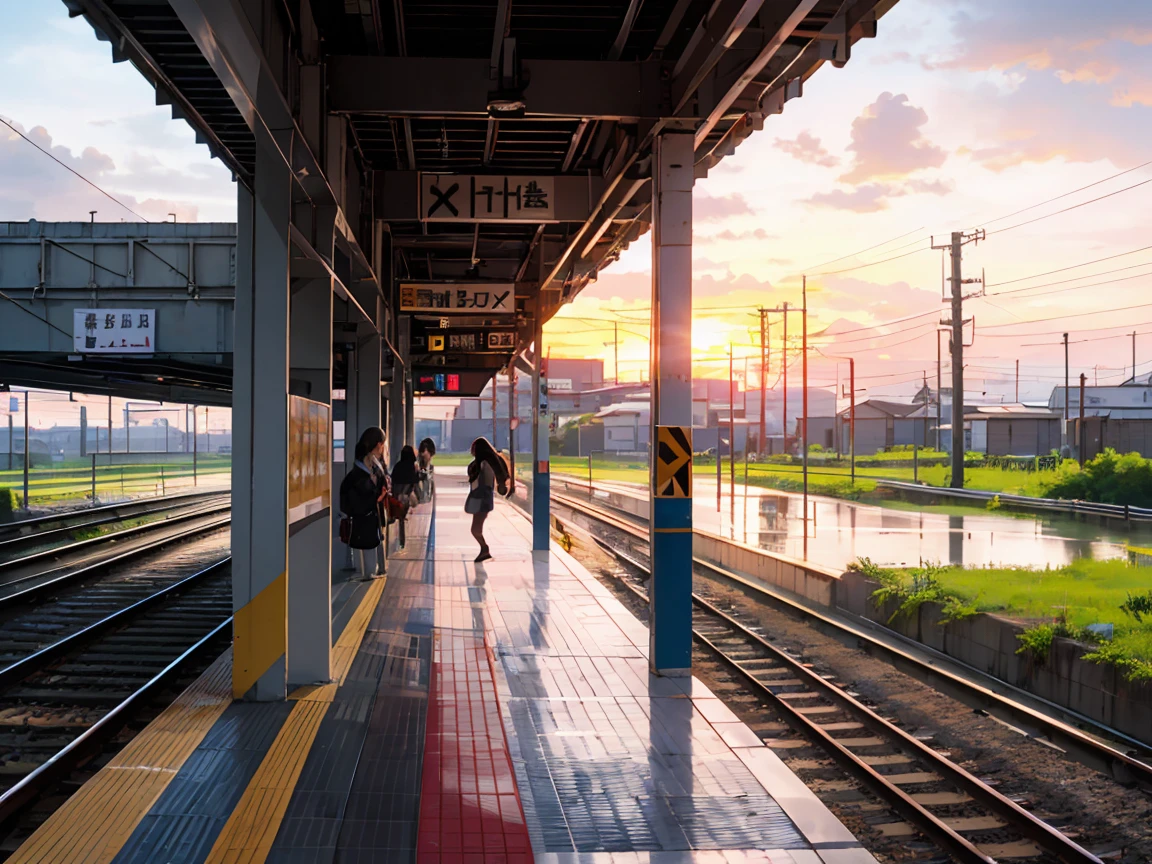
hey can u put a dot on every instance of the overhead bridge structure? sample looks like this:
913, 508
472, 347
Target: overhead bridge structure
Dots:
420, 186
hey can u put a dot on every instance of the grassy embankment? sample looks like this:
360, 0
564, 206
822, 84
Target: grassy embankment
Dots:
73, 478
1056, 602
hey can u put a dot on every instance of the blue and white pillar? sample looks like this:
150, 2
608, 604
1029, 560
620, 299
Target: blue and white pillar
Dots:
541, 495
670, 589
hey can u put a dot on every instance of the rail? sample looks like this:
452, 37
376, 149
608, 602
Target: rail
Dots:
1112, 511
933, 668
933, 826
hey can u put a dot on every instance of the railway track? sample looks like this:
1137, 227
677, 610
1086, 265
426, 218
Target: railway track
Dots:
62, 704
29, 577
1101, 750
54, 537
66, 521
959, 812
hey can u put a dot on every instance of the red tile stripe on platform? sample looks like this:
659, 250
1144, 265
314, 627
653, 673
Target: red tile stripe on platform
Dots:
470, 811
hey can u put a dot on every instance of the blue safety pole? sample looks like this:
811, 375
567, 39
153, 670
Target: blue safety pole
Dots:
670, 589
541, 496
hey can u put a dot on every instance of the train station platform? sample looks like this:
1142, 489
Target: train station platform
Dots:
499, 713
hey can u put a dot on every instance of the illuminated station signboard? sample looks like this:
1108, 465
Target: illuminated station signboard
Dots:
444, 382
439, 382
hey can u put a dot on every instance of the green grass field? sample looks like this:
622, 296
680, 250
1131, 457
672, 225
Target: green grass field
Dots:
832, 480
73, 479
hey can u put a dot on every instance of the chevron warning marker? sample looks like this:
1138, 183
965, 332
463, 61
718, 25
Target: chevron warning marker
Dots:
673, 462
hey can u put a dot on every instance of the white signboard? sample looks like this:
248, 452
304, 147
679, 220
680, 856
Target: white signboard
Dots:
114, 331
472, 298
486, 198
559, 383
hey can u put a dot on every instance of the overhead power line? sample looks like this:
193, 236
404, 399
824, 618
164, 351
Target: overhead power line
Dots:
66, 167
1072, 207
862, 251
871, 263
1073, 267
1073, 287
1064, 195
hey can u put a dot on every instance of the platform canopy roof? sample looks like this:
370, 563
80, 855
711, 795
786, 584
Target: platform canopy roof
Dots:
557, 100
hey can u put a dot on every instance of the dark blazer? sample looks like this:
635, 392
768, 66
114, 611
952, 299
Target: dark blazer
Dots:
358, 493
404, 474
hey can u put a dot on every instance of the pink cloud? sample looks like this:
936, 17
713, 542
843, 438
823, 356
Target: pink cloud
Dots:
709, 208
807, 148
868, 198
888, 142
31, 185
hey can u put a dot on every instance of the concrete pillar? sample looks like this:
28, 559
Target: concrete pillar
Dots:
541, 491
398, 392
310, 530
670, 589
367, 381
260, 432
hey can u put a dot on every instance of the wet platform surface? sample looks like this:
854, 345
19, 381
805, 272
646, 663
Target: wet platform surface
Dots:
499, 713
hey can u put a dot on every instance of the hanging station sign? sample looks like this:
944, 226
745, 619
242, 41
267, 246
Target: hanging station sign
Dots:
472, 340
486, 198
114, 331
470, 298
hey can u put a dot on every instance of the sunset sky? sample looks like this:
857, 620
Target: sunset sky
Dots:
957, 116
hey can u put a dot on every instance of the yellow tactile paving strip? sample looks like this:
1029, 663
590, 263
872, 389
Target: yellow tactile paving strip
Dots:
248, 835
96, 822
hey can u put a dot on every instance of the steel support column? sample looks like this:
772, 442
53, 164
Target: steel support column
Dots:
541, 491
310, 538
367, 381
398, 393
670, 591
260, 429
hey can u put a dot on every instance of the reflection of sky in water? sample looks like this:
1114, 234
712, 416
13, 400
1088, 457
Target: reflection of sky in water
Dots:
842, 531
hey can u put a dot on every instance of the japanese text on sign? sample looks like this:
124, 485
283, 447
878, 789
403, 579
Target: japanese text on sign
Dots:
484, 198
472, 340
472, 298
114, 331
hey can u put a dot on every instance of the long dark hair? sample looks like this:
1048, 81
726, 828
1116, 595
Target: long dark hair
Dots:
372, 438
407, 454
483, 451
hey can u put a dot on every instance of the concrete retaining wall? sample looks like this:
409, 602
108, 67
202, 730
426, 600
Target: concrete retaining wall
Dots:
989, 643
985, 642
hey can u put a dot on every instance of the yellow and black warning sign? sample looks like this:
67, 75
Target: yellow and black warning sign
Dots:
436, 342
673, 462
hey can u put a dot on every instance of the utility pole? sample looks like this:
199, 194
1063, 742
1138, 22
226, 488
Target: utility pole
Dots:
764, 378
1017, 382
852, 414
1133, 356
1064, 430
615, 352
959, 239
784, 367
939, 395
1080, 424
804, 391
27, 448
731, 432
